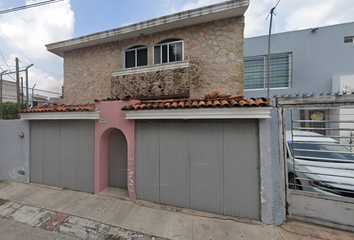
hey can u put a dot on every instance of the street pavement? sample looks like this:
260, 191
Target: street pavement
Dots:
39, 212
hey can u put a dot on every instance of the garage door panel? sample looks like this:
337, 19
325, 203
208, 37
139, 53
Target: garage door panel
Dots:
85, 155
62, 154
36, 152
68, 146
241, 169
206, 167
51, 153
174, 164
147, 161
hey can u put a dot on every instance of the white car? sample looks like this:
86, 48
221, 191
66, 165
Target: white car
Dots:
322, 165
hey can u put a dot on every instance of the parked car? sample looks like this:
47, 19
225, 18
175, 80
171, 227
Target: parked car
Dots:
322, 165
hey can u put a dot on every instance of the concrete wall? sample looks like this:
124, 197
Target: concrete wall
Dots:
14, 151
214, 49
317, 57
272, 184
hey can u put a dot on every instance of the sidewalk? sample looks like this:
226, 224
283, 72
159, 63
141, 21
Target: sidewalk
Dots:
87, 216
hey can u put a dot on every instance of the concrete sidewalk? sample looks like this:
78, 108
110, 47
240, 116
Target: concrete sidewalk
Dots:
87, 216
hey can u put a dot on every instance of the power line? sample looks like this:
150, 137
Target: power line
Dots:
14, 45
29, 6
251, 7
6, 64
24, 56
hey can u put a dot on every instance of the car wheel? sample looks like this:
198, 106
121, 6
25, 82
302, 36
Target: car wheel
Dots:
292, 182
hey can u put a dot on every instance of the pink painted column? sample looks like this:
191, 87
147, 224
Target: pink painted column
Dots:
112, 117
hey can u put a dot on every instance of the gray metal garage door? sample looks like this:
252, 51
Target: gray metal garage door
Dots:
204, 165
62, 154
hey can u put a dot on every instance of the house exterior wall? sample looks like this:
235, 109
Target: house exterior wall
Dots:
317, 57
9, 92
214, 51
112, 117
148, 84
14, 150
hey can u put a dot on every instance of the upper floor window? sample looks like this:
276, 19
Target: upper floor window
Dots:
256, 71
168, 51
136, 56
349, 39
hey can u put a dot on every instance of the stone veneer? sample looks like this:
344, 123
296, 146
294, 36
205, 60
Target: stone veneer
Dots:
150, 84
214, 50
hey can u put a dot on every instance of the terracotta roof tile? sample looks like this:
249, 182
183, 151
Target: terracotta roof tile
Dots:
127, 98
212, 100
61, 108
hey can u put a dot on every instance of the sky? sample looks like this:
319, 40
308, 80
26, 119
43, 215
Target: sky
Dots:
24, 34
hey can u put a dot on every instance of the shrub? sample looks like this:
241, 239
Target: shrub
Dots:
9, 110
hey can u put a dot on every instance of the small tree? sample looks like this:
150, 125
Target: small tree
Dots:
9, 110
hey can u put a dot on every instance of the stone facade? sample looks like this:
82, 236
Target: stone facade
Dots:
151, 84
214, 51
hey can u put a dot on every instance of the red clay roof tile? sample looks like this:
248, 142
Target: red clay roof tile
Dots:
60, 108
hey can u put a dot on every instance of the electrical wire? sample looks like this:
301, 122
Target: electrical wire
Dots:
6, 64
24, 55
29, 6
248, 10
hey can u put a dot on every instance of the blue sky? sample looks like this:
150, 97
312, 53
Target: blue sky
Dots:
31, 29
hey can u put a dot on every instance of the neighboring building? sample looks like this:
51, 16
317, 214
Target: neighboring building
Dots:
317, 60
305, 61
187, 54
9, 92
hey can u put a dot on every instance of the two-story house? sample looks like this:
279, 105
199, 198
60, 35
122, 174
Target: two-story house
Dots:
186, 54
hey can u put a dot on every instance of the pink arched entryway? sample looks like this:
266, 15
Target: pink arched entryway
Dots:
112, 117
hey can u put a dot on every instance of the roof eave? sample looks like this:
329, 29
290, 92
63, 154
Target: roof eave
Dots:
201, 113
191, 17
74, 115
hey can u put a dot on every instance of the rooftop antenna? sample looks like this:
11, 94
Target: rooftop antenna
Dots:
270, 32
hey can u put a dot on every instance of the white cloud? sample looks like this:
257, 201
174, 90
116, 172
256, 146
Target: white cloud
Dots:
191, 4
126, 24
308, 14
295, 15
36, 75
32, 28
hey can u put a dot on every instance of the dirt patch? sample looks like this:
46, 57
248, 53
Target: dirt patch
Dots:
2, 201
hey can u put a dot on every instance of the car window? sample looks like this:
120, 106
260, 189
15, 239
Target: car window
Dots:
322, 147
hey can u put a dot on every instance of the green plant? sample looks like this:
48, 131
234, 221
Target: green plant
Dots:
9, 110
351, 141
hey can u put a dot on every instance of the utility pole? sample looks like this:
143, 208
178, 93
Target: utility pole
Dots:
18, 85
270, 33
21, 93
27, 102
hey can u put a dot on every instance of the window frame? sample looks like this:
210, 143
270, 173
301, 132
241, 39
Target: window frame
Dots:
168, 52
349, 39
130, 49
289, 55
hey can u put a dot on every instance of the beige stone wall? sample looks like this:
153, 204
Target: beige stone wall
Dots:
151, 84
214, 49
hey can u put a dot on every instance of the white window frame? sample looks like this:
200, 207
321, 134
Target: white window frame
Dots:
168, 52
265, 69
136, 55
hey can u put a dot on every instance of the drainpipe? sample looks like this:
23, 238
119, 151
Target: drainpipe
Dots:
27, 103
1, 92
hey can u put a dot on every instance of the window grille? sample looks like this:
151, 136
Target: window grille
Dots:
256, 71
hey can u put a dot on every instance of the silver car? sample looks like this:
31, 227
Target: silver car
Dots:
322, 165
